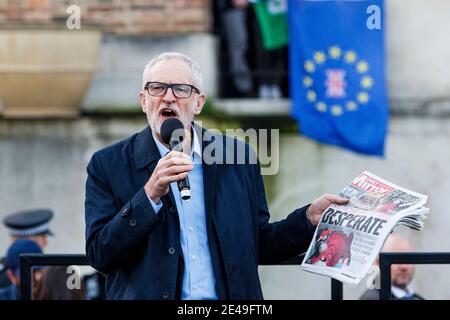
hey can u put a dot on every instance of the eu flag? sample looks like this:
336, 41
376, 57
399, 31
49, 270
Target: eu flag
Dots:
337, 74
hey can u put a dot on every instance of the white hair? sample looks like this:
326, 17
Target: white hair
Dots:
196, 72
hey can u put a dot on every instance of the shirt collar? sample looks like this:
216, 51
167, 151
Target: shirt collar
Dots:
163, 150
402, 293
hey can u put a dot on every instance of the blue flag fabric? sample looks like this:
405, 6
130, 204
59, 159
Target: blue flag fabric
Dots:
337, 73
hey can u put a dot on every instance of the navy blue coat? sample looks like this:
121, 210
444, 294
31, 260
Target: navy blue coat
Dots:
140, 251
11, 292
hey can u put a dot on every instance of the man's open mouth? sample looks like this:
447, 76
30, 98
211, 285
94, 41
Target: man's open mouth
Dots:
168, 113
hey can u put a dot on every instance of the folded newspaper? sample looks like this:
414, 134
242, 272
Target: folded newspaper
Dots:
349, 237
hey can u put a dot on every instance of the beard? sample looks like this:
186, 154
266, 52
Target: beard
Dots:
155, 119
402, 280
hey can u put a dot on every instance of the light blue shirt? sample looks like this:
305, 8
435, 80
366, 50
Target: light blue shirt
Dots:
198, 279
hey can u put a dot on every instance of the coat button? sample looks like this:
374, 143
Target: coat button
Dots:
173, 209
132, 222
171, 250
125, 211
165, 295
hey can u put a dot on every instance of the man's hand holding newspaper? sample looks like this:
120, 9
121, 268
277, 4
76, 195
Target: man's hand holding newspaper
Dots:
318, 206
349, 236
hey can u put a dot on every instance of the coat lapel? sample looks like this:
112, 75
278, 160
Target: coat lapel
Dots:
224, 243
209, 174
146, 156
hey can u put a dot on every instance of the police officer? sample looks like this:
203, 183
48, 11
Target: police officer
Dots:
32, 225
12, 266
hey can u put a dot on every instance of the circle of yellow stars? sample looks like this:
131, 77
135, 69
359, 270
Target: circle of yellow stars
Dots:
349, 57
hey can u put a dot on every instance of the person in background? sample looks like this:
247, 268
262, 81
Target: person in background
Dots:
32, 225
12, 292
401, 274
233, 22
270, 42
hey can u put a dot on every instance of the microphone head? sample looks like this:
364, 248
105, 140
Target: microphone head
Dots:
170, 127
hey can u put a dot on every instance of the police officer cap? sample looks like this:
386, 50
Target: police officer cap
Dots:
29, 223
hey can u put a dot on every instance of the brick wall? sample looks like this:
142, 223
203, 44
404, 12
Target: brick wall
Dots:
141, 17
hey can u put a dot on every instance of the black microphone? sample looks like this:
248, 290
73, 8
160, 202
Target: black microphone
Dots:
172, 134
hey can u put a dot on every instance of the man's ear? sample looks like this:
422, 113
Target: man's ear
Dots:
200, 103
142, 101
12, 277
